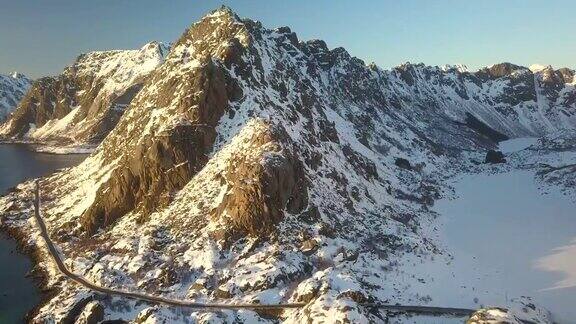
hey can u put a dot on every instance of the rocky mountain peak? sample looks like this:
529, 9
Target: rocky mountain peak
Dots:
216, 34
536, 67
502, 70
319, 50
568, 75
461, 68
18, 75
223, 15
223, 10
157, 48
559, 77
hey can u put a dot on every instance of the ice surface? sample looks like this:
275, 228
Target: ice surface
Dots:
504, 233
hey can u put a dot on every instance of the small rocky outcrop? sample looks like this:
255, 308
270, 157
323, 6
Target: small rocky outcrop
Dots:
482, 128
403, 163
92, 313
263, 187
494, 157
78, 310
522, 310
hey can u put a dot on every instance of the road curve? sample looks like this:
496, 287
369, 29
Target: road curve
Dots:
133, 295
183, 303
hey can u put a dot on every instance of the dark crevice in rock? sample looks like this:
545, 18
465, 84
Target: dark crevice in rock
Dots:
477, 125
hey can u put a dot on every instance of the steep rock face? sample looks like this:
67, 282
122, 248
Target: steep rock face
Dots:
253, 167
84, 103
500, 70
12, 90
173, 133
162, 163
494, 157
263, 186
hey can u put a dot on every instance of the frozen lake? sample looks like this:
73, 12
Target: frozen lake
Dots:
508, 240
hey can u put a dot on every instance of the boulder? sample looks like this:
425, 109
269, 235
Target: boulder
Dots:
403, 163
308, 247
494, 157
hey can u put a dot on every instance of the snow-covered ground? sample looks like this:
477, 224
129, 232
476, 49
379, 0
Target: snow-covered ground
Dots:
517, 144
508, 240
69, 149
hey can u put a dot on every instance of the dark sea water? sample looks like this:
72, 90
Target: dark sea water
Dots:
18, 294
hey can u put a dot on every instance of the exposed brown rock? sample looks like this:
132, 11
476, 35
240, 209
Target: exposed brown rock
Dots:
356, 296
48, 98
75, 310
223, 294
309, 247
92, 314
501, 70
263, 187
164, 163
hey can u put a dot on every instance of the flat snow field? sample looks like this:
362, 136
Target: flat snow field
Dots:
508, 240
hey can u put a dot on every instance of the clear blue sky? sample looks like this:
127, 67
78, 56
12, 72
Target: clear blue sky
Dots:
40, 37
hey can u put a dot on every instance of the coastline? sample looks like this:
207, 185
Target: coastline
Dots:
38, 274
16, 204
52, 147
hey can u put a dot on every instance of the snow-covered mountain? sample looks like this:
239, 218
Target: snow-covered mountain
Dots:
82, 105
514, 100
12, 89
511, 99
255, 167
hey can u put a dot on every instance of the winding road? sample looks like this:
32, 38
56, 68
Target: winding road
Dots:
459, 312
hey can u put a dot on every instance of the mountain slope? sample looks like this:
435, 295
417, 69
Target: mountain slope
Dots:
255, 167
12, 89
85, 102
511, 99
